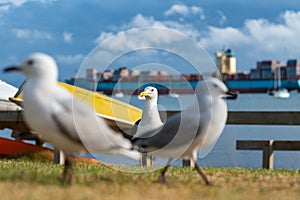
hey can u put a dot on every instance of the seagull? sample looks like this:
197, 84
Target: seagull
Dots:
190, 130
61, 119
150, 120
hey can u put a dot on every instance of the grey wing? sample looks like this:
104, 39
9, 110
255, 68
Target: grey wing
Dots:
134, 129
66, 126
66, 118
178, 129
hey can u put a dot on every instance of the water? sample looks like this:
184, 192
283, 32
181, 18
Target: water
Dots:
224, 154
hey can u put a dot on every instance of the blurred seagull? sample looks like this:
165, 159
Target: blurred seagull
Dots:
190, 130
63, 120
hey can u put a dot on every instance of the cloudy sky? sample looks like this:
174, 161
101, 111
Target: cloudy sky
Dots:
69, 30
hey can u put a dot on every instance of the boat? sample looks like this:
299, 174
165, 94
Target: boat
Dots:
119, 94
173, 94
119, 115
7, 90
187, 87
279, 91
282, 93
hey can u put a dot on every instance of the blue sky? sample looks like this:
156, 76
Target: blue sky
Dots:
69, 30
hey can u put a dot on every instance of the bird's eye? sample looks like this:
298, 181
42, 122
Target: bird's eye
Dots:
152, 90
30, 62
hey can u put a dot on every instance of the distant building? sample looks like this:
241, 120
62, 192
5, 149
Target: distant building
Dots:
226, 62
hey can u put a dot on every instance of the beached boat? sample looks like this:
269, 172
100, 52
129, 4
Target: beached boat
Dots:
119, 115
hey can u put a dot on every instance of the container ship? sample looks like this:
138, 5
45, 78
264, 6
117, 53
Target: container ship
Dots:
180, 87
123, 81
260, 86
267, 76
135, 87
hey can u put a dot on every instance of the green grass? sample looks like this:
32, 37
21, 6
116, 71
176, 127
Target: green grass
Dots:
33, 176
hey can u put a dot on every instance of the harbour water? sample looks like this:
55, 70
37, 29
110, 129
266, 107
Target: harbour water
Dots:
224, 153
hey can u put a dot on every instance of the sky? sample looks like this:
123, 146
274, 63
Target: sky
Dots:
69, 30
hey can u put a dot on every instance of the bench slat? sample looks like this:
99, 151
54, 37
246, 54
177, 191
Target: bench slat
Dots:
279, 145
264, 117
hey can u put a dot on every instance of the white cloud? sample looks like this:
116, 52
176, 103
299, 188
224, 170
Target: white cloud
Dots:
70, 59
4, 7
177, 9
14, 2
31, 34
259, 38
223, 18
183, 10
140, 21
18, 3
255, 39
154, 37
198, 11
103, 36
259, 33
229, 36
68, 37
292, 19
264, 32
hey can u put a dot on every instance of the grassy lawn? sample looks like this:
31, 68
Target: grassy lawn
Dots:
34, 176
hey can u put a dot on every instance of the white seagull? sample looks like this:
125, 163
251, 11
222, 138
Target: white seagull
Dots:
150, 120
190, 130
63, 120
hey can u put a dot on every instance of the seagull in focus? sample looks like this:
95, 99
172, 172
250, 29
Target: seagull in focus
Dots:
150, 120
61, 119
190, 130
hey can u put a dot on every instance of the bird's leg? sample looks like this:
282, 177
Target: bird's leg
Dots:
162, 177
68, 170
203, 176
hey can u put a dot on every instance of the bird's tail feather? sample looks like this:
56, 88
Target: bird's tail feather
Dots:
124, 147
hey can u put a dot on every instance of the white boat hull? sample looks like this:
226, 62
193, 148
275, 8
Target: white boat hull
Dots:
283, 94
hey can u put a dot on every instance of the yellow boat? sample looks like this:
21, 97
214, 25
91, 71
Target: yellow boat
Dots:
119, 115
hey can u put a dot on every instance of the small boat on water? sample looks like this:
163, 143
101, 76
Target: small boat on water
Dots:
282, 93
118, 94
279, 91
173, 94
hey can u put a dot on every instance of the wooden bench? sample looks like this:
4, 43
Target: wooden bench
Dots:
268, 147
266, 118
